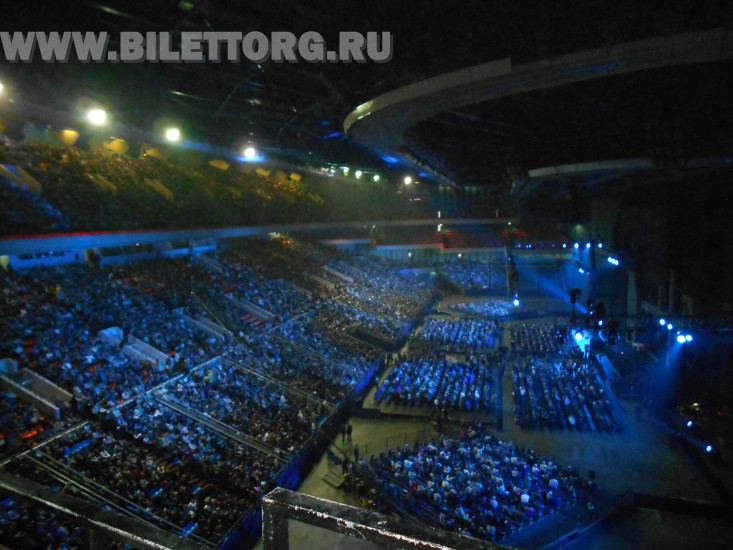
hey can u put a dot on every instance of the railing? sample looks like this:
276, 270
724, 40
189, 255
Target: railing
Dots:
406, 438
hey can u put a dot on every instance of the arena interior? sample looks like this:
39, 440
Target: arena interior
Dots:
482, 292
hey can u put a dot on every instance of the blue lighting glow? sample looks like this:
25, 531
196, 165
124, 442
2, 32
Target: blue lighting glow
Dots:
600, 245
578, 336
587, 245
662, 322
681, 339
670, 326
575, 245
564, 245
688, 338
689, 423
600, 323
516, 302
709, 449
581, 270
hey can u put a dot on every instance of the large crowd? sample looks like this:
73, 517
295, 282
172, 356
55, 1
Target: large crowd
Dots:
189, 439
435, 380
458, 335
494, 308
477, 485
151, 444
568, 394
474, 276
556, 385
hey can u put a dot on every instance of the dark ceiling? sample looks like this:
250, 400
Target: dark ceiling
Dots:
296, 110
668, 115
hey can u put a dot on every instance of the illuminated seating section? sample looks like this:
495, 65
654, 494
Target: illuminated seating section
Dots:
477, 485
458, 336
554, 387
190, 438
434, 380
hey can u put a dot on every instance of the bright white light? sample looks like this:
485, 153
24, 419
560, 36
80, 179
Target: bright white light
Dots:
600, 245
346, 170
172, 134
587, 245
581, 270
438, 214
407, 180
516, 302
250, 153
662, 322
681, 339
600, 323
709, 449
375, 177
97, 116
357, 174
1, 87
669, 326
564, 245
688, 338
575, 245
578, 336
689, 423
460, 255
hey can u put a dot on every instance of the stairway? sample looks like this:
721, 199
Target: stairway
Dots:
333, 477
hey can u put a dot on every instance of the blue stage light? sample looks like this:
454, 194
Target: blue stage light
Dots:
662, 322
689, 423
575, 245
681, 339
516, 302
688, 338
587, 245
670, 326
600, 323
578, 336
709, 449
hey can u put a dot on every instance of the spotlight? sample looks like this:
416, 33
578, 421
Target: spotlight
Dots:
407, 180
662, 322
578, 336
358, 174
587, 245
1, 87
689, 423
669, 326
564, 245
576, 245
250, 153
172, 134
709, 449
516, 302
681, 339
688, 338
600, 245
375, 178
97, 117
600, 323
